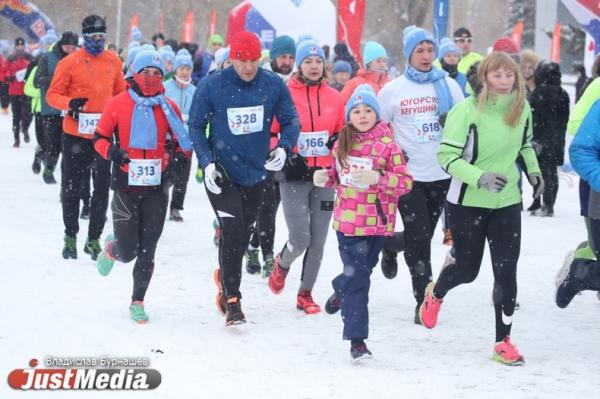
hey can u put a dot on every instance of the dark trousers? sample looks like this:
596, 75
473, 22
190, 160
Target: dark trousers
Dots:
549, 170
180, 186
138, 221
52, 128
263, 232
4, 97
236, 209
39, 137
420, 211
359, 256
471, 227
21, 109
79, 157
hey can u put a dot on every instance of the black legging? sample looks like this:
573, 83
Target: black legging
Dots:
138, 220
78, 157
549, 170
21, 109
39, 137
236, 209
180, 186
470, 228
4, 97
52, 128
263, 231
420, 211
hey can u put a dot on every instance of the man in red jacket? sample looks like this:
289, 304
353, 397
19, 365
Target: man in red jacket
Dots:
18, 62
4, 98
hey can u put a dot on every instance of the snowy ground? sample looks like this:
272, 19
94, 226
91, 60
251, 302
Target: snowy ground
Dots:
50, 306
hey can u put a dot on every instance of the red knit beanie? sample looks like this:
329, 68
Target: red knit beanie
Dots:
244, 46
507, 45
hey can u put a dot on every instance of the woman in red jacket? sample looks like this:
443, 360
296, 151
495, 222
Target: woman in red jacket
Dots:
21, 105
148, 135
308, 209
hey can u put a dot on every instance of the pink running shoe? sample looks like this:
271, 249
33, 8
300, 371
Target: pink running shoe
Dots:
506, 352
428, 312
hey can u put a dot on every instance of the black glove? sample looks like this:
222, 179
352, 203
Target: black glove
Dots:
76, 104
332, 141
118, 155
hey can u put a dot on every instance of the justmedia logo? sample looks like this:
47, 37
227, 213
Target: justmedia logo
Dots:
103, 373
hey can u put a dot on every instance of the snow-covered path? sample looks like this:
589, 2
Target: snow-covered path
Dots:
50, 306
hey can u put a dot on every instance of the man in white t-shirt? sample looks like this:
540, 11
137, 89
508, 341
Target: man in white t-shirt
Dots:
413, 103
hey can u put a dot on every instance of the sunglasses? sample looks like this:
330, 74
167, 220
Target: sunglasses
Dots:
97, 36
463, 40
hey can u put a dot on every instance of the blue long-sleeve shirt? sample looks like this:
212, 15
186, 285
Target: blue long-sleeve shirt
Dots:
182, 97
240, 115
584, 151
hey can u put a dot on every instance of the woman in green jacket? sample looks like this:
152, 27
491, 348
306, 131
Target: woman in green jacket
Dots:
484, 137
36, 107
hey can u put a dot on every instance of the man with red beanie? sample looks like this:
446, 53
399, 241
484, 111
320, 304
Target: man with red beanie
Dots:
239, 103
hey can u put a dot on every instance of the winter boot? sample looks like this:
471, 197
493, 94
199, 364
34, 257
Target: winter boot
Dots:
220, 300
92, 248
26, 137
304, 302
359, 351
36, 167
70, 249
277, 278
48, 176
333, 304
570, 280
506, 352
175, 216
105, 261
137, 312
234, 312
536, 204
268, 266
16, 144
252, 263
389, 263
547, 211
428, 312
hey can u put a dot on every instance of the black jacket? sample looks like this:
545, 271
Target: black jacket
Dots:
550, 108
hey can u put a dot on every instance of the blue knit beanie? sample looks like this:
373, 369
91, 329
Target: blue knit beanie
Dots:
136, 35
166, 54
183, 51
363, 94
282, 45
342, 66
413, 36
306, 49
372, 51
183, 60
132, 52
49, 38
303, 38
146, 59
447, 45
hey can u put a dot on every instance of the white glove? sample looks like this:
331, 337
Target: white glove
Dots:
321, 177
276, 160
210, 179
365, 177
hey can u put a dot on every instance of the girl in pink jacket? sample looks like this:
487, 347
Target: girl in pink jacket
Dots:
370, 175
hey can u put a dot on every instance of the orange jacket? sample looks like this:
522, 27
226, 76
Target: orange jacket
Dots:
81, 75
375, 79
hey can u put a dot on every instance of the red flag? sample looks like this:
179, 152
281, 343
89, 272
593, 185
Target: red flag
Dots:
133, 22
555, 51
188, 28
236, 19
517, 34
351, 18
161, 22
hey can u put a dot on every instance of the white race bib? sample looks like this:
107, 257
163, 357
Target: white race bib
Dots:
245, 120
312, 144
20, 74
88, 123
427, 129
145, 172
354, 163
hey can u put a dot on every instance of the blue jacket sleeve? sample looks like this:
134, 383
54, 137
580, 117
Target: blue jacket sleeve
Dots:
288, 119
200, 113
584, 151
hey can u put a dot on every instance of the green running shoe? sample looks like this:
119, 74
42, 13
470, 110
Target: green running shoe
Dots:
70, 249
105, 261
252, 262
92, 248
137, 312
268, 266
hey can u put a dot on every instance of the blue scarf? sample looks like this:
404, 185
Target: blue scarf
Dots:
437, 77
144, 133
94, 47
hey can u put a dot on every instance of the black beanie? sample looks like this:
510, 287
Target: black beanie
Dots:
19, 41
69, 38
